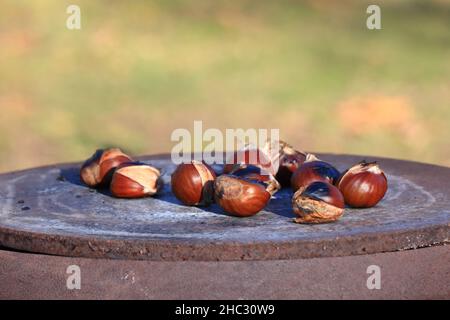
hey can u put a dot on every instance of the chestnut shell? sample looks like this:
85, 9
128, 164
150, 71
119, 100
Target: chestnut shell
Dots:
290, 161
312, 171
325, 192
239, 196
192, 183
254, 157
320, 202
363, 185
135, 180
97, 171
250, 172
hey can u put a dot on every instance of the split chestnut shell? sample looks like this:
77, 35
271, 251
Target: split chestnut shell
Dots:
320, 202
192, 183
290, 161
266, 157
363, 185
135, 180
98, 169
243, 197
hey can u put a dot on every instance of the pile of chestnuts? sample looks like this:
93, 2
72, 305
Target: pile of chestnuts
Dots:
320, 190
242, 189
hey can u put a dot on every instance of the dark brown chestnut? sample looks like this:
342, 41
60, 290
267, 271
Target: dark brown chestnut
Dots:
290, 160
98, 169
135, 180
192, 183
243, 197
363, 185
319, 202
251, 172
313, 170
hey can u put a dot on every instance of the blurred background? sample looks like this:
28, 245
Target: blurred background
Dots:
137, 70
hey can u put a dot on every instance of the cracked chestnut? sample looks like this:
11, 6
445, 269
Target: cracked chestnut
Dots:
265, 157
319, 202
135, 180
98, 169
192, 183
243, 197
313, 170
290, 160
363, 185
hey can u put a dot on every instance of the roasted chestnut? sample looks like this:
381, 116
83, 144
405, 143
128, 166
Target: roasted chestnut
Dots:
319, 202
98, 169
290, 160
266, 157
135, 180
243, 197
251, 172
313, 170
363, 185
192, 183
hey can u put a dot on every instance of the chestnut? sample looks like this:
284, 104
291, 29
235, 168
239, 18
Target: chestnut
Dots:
243, 197
98, 169
251, 172
260, 157
135, 180
192, 183
319, 202
290, 160
313, 170
363, 185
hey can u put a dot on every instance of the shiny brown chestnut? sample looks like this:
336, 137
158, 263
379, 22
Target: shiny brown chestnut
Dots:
192, 183
290, 160
243, 197
135, 180
98, 169
313, 170
363, 185
319, 202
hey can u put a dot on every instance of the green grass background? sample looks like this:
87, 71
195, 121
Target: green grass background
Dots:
137, 70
